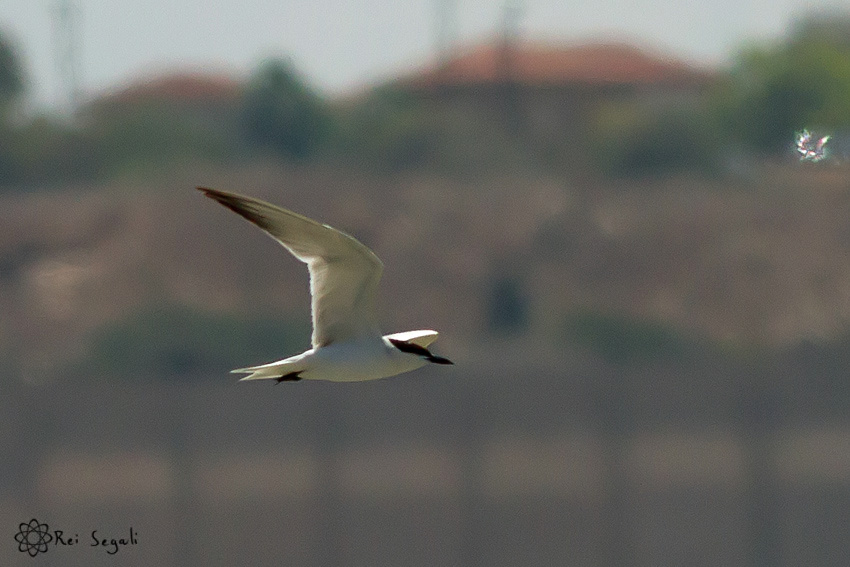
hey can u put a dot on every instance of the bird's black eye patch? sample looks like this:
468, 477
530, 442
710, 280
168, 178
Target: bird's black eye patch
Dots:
411, 348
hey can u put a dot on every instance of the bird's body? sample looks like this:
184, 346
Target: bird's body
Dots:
344, 275
351, 361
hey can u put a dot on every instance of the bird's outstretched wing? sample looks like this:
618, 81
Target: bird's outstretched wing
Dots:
344, 273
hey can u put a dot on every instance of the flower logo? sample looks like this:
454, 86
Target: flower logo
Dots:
33, 538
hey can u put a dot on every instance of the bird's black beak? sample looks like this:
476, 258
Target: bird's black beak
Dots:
438, 359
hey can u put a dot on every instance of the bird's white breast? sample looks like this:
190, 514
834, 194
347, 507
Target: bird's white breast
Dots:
357, 361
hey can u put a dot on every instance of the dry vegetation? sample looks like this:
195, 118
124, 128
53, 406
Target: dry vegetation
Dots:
747, 264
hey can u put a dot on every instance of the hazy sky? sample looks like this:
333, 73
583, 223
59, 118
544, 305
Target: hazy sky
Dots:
344, 44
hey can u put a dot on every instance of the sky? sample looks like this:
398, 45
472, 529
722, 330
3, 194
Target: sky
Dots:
343, 45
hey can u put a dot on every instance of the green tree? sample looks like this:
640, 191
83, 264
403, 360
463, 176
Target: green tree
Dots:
386, 129
633, 141
167, 340
11, 74
11, 88
803, 82
507, 306
827, 26
282, 113
143, 137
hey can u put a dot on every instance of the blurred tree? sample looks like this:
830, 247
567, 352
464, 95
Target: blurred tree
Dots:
150, 136
11, 75
630, 140
282, 113
168, 340
9, 170
164, 122
11, 88
802, 83
827, 26
386, 129
392, 129
507, 306
624, 339
45, 150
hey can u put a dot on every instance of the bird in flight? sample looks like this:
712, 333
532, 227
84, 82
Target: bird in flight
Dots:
347, 345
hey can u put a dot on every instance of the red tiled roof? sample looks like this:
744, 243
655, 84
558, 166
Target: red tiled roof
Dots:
535, 63
189, 88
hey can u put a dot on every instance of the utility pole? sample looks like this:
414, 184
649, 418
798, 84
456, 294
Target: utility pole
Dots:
509, 82
66, 53
445, 29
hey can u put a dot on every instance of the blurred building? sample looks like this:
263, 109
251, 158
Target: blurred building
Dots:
169, 103
191, 90
551, 93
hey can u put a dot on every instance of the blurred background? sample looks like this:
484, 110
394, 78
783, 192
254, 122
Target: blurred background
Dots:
645, 293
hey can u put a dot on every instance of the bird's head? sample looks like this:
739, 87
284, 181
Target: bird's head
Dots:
416, 342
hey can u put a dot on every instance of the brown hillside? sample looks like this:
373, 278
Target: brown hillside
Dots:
763, 264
